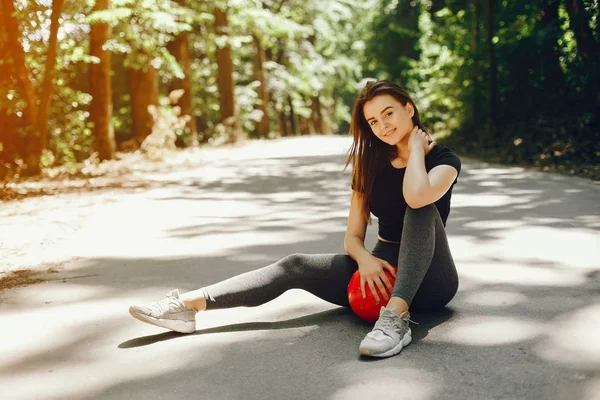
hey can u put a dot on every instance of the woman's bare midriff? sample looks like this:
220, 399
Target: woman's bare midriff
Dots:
385, 240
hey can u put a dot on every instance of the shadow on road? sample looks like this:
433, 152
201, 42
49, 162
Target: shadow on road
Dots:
525, 244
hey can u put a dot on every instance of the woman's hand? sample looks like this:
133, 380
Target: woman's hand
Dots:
419, 139
372, 273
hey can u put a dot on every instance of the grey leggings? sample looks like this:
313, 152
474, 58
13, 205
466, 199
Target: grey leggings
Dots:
426, 278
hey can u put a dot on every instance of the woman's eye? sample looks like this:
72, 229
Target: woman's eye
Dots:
373, 123
388, 114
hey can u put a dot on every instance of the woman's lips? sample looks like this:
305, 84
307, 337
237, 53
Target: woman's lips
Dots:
390, 132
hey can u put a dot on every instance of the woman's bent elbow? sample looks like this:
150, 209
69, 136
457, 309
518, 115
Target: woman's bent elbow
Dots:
346, 244
415, 203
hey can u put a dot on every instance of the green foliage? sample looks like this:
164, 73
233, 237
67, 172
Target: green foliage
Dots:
546, 112
547, 109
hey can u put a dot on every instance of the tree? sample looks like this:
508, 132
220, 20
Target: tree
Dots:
588, 45
475, 58
553, 79
143, 89
579, 21
225, 75
36, 116
262, 128
393, 44
101, 87
491, 58
181, 51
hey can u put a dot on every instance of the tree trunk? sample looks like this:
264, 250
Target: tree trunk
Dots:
225, 77
24, 81
10, 143
317, 115
179, 48
36, 116
493, 100
327, 126
143, 89
284, 124
100, 88
262, 128
579, 21
48, 84
475, 67
587, 46
293, 122
550, 57
20, 70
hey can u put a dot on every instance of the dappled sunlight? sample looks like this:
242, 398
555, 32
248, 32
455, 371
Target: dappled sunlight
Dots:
292, 304
492, 184
222, 244
534, 205
388, 382
527, 277
55, 293
254, 258
549, 244
76, 350
79, 368
485, 330
519, 274
572, 339
591, 390
465, 284
460, 200
495, 298
495, 224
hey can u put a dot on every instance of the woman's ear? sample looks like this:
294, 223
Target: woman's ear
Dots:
410, 109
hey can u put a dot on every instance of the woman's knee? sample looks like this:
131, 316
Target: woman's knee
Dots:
294, 263
428, 212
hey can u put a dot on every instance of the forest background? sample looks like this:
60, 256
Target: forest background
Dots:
86, 80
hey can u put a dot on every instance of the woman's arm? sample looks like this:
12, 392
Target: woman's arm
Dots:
421, 188
372, 269
354, 241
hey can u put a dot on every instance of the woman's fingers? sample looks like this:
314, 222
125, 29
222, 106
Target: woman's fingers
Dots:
387, 284
374, 292
382, 287
362, 287
390, 268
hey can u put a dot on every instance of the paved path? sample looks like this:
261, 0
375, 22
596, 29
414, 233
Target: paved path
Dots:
524, 325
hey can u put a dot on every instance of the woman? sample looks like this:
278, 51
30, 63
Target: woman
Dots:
403, 178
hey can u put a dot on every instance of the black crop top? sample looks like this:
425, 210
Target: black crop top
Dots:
387, 200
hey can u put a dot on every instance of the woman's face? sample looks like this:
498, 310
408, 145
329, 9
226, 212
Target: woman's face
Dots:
389, 120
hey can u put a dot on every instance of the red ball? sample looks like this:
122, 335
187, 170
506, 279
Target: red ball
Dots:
366, 308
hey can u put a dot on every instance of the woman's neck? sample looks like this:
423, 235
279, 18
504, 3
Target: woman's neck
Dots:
402, 150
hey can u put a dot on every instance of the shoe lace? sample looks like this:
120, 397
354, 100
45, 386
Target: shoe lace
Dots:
164, 306
407, 318
389, 322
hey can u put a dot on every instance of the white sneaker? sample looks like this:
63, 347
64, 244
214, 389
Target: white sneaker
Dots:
167, 313
390, 334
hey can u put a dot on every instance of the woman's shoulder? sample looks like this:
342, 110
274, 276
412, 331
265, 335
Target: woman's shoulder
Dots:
440, 155
440, 150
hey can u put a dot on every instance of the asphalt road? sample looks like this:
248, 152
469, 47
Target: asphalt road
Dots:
524, 325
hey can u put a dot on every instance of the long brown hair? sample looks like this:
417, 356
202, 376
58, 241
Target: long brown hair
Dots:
368, 154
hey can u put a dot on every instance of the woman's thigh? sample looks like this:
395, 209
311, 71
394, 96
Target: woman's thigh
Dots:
325, 275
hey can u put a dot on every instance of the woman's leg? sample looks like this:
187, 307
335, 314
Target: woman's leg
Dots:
427, 277
324, 275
